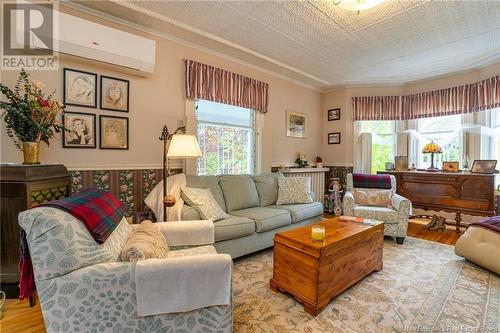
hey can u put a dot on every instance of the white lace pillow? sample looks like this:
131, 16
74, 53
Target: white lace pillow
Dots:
294, 190
204, 202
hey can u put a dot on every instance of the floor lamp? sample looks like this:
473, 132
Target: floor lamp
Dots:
181, 146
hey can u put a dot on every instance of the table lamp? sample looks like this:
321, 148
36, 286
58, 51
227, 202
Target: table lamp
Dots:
432, 148
181, 146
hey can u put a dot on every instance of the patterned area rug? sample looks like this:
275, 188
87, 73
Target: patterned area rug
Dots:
424, 287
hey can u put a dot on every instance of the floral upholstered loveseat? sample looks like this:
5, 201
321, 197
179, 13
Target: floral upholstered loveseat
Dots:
395, 218
83, 287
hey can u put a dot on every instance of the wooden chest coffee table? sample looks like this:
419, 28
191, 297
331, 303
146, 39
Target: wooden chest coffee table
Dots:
315, 272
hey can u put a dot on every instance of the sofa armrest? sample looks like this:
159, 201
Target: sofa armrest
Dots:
183, 284
91, 292
402, 205
348, 204
184, 233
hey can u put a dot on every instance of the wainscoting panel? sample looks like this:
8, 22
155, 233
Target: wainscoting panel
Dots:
130, 186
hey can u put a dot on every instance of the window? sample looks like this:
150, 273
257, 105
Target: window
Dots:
383, 142
226, 135
495, 125
445, 131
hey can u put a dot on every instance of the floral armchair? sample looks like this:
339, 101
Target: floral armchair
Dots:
395, 218
83, 287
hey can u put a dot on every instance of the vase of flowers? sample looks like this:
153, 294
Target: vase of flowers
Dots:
301, 161
30, 116
319, 162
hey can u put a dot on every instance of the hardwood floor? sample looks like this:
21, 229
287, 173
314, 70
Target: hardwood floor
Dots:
448, 236
19, 317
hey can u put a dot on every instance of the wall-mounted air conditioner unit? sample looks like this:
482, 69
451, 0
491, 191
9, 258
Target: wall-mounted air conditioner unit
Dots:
97, 42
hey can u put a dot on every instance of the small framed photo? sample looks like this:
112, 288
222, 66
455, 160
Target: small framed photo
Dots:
80, 130
484, 166
451, 166
113, 132
114, 94
296, 124
334, 114
79, 88
334, 138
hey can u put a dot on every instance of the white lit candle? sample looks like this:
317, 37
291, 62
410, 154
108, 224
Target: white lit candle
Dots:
318, 233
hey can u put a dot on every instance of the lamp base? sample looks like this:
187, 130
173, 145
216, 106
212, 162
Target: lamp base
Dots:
432, 169
169, 200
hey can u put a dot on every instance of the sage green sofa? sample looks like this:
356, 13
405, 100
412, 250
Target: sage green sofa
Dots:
254, 217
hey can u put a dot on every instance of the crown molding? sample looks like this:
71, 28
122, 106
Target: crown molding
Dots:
485, 62
166, 36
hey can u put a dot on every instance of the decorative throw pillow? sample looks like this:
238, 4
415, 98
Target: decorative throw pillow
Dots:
371, 197
294, 190
145, 242
204, 202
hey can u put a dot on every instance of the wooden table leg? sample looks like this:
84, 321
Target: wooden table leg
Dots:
32, 300
458, 219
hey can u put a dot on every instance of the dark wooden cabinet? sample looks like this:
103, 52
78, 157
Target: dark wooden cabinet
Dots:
459, 193
22, 187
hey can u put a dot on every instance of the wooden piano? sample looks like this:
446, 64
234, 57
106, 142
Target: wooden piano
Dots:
456, 192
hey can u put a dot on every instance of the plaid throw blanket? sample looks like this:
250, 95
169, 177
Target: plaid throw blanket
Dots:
100, 212
492, 223
364, 180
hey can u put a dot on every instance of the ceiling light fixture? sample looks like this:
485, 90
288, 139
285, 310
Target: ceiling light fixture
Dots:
357, 5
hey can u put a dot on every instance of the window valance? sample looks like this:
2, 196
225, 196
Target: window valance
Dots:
463, 99
218, 85
377, 108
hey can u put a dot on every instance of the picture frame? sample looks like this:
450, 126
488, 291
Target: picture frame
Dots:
79, 88
334, 114
114, 94
451, 166
334, 138
484, 166
296, 124
113, 132
81, 130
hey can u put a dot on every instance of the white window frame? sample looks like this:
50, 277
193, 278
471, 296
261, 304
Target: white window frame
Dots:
359, 131
190, 166
460, 138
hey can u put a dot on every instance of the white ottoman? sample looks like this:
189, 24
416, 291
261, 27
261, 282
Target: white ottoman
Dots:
481, 246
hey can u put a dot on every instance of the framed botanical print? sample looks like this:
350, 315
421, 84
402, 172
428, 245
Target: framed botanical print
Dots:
334, 114
79, 88
114, 94
334, 138
113, 132
296, 124
80, 130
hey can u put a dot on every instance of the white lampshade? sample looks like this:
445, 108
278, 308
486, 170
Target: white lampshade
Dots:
183, 146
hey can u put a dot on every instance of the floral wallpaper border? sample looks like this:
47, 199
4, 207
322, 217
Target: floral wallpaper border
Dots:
130, 186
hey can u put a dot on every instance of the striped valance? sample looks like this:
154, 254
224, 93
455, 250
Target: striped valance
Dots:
463, 99
377, 108
218, 85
